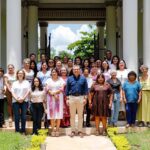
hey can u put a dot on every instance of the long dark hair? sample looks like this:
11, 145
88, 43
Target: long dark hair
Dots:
35, 69
115, 56
40, 84
98, 76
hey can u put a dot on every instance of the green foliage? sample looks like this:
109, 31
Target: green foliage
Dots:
37, 140
84, 47
14, 141
119, 140
139, 140
65, 53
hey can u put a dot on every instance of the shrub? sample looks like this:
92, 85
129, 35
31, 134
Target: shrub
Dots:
119, 140
37, 140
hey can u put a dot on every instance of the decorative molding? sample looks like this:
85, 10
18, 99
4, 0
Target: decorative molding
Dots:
119, 3
43, 24
100, 23
33, 2
72, 14
111, 2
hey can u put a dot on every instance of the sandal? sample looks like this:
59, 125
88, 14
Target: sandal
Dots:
10, 122
57, 134
97, 133
72, 134
80, 134
104, 133
53, 134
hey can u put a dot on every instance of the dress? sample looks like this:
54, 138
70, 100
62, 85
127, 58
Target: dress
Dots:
143, 113
100, 102
65, 122
122, 76
54, 107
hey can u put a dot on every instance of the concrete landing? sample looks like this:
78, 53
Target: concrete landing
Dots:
91, 142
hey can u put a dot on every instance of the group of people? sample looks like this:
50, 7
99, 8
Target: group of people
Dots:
63, 88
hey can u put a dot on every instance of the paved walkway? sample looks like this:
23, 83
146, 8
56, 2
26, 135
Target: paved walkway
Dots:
91, 142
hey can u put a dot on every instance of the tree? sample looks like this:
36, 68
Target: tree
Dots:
85, 46
65, 53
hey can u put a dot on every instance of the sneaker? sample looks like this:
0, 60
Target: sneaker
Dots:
127, 126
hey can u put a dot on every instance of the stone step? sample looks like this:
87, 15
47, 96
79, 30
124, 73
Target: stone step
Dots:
86, 130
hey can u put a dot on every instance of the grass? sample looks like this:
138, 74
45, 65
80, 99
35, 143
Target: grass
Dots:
14, 141
139, 141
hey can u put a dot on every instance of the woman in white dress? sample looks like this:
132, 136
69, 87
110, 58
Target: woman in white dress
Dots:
54, 89
122, 75
106, 70
28, 72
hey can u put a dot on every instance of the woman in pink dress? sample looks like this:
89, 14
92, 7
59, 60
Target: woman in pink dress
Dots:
65, 122
54, 89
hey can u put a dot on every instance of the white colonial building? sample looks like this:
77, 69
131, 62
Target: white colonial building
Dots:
127, 25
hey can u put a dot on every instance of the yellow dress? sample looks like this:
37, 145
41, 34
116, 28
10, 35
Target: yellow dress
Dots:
143, 113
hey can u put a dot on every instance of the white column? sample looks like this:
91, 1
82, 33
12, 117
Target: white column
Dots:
130, 49
140, 33
33, 28
24, 31
100, 28
43, 31
0, 36
146, 32
120, 34
111, 27
14, 33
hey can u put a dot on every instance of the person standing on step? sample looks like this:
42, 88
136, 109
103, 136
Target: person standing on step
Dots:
20, 91
9, 78
55, 99
132, 96
38, 97
1, 98
76, 92
100, 99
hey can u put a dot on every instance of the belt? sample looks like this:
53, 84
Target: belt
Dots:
76, 94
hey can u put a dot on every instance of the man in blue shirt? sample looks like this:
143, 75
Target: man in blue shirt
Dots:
76, 92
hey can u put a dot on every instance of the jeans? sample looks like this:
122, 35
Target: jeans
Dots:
1, 112
131, 109
115, 108
88, 113
20, 110
37, 113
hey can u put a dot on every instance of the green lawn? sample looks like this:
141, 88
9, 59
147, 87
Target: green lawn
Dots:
140, 140
14, 141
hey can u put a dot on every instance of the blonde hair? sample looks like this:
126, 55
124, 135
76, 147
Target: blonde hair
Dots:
26, 60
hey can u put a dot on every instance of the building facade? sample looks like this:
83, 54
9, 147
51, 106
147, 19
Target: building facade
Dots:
127, 24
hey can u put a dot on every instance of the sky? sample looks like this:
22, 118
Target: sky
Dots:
64, 34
